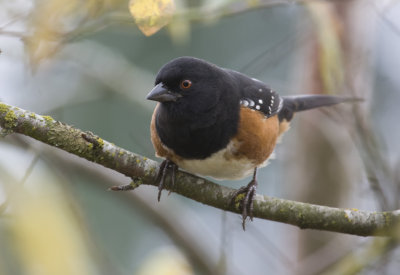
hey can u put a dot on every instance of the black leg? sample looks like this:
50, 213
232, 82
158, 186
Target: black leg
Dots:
160, 178
165, 166
174, 169
247, 202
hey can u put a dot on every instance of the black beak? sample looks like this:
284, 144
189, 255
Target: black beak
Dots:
162, 94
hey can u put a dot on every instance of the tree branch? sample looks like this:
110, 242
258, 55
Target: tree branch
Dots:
95, 149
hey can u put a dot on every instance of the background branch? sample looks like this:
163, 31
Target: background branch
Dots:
95, 149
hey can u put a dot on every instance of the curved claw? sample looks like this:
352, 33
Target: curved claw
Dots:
247, 202
162, 173
174, 169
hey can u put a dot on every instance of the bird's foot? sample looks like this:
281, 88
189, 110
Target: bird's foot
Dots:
245, 197
165, 166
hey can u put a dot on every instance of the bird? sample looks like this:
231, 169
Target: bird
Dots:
217, 122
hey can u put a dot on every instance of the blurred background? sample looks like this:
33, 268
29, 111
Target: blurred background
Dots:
91, 63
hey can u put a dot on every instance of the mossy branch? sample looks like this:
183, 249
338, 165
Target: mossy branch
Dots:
95, 149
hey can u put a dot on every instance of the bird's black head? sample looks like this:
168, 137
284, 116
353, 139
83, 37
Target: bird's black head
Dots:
199, 107
190, 85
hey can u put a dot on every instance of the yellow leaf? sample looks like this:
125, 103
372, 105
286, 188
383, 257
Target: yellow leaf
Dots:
53, 22
151, 15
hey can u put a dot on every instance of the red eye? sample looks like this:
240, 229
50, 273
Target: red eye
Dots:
186, 84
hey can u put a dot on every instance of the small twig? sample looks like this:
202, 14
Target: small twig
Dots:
128, 187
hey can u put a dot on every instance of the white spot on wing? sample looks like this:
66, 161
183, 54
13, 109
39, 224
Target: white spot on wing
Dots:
260, 101
260, 90
280, 105
258, 107
251, 102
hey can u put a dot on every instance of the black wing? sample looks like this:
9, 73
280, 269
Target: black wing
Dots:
261, 98
256, 95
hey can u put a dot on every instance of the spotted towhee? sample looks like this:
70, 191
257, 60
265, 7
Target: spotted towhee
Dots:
218, 122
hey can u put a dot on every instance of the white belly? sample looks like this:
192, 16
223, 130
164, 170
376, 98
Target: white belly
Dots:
221, 165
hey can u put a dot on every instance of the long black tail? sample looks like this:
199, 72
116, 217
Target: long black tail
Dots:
292, 104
